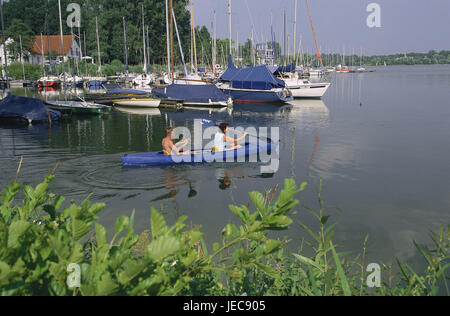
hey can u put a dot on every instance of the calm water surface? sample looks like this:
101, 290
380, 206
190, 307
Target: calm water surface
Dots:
380, 142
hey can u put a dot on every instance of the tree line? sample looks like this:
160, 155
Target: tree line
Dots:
29, 18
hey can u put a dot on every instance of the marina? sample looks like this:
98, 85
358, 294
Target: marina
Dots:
228, 148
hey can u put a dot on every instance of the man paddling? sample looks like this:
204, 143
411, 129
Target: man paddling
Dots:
221, 139
169, 148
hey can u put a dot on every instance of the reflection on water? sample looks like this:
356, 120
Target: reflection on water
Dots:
377, 140
139, 111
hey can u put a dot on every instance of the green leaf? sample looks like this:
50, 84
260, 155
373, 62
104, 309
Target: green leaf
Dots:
163, 247
59, 200
15, 231
344, 281
238, 212
158, 224
4, 270
195, 237
271, 246
100, 233
131, 269
260, 202
324, 220
79, 229
308, 262
122, 223
106, 286
96, 208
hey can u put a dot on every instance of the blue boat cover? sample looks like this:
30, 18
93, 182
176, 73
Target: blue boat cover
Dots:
126, 91
257, 78
14, 107
191, 93
288, 68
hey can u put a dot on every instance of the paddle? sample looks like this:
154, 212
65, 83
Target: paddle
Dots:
209, 123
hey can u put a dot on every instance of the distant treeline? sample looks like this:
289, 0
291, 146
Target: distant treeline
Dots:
29, 18
430, 58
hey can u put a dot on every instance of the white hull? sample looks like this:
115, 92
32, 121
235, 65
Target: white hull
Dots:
139, 103
305, 89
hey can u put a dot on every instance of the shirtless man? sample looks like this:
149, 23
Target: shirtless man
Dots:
169, 148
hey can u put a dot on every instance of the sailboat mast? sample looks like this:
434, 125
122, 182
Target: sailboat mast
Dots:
295, 28
143, 40
193, 36
42, 51
4, 42
171, 38
125, 49
315, 37
21, 57
229, 26
168, 38
148, 51
285, 37
179, 44
214, 54
98, 47
85, 59
62, 41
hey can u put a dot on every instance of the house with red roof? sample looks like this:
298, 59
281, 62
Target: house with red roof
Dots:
51, 46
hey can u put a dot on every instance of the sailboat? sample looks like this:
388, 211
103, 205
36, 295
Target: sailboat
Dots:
301, 88
253, 85
97, 82
145, 79
46, 81
195, 95
79, 106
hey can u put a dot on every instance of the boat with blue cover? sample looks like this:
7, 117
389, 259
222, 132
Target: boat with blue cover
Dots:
26, 109
198, 156
194, 95
253, 85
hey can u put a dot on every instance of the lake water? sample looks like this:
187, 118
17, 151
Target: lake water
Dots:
379, 141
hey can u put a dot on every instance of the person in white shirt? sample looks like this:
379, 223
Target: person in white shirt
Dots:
221, 139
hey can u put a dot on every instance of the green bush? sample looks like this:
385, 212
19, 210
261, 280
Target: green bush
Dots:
32, 72
40, 240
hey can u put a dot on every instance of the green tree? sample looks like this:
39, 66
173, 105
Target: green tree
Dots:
18, 29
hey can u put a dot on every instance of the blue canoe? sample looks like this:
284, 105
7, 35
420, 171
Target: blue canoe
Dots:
198, 156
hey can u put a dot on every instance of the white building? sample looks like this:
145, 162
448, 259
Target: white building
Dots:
2, 52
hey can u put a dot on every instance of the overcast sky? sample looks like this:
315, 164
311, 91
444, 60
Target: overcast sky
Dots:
406, 25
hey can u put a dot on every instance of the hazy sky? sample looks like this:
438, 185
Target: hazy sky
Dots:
406, 25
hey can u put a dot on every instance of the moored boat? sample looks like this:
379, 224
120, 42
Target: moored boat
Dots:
49, 82
138, 102
253, 85
78, 107
207, 95
26, 109
302, 88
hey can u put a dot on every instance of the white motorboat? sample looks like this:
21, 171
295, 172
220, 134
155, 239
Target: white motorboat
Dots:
139, 102
301, 88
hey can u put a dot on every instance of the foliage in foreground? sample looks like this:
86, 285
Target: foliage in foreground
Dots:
39, 242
